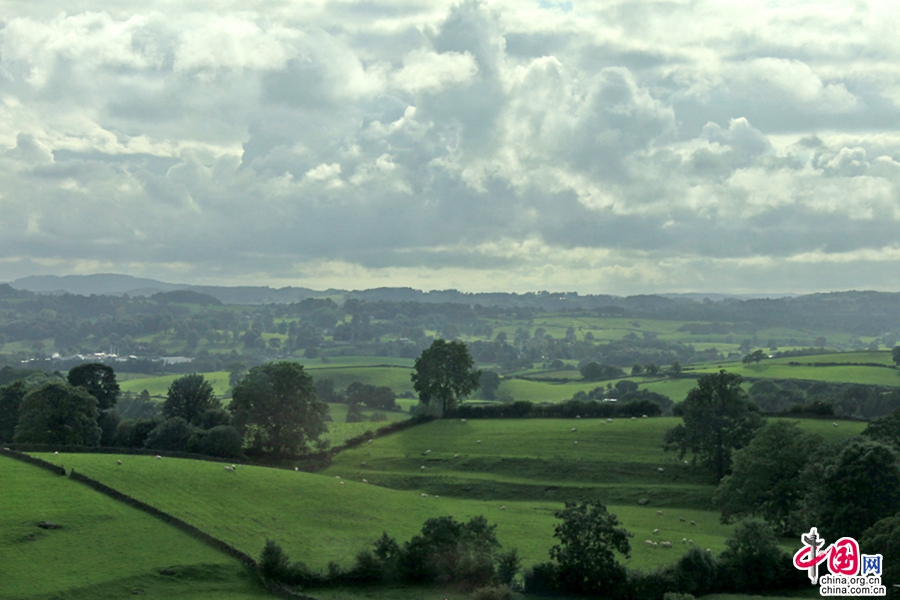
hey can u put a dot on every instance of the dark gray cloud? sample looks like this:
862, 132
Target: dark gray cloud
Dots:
601, 147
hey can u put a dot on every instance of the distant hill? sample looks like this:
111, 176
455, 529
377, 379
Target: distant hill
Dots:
100, 284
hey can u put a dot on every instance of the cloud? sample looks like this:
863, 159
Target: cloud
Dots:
629, 147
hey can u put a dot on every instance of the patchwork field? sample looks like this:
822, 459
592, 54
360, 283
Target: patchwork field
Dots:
517, 476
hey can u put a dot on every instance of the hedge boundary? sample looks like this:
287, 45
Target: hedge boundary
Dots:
37, 462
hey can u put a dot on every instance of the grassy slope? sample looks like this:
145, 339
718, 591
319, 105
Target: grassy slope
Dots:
104, 548
835, 374
317, 518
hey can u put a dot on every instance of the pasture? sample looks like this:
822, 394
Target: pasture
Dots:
832, 374
158, 386
102, 549
518, 475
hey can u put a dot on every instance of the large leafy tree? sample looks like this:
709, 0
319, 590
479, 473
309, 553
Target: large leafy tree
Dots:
718, 419
100, 382
276, 409
853, 487
884, 538
11, 397
189, 397
445, 373
766, 476
589, 536
58, 413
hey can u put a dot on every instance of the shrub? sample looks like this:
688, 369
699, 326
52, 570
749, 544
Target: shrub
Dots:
273, 562
172, 435
498, 592
541, 579
508, 565
223, 441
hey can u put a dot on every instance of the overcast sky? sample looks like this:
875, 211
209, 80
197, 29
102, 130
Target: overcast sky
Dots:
599, 147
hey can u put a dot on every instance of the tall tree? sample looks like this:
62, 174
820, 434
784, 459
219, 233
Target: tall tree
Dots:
766, 476
11, 397
100, 382
276, 409
853, 488
589, 536
189, 397
718, 419
58, 413
445, 373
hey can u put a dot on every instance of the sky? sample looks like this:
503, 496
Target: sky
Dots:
617, 147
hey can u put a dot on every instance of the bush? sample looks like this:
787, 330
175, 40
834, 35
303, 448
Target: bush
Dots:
273, 562
541, 579
499, 592
172, 435
753, 561
695, 573
132, 433
223, 441
508, 565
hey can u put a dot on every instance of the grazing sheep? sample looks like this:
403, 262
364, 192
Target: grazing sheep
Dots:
573, 429
233, 466
227, 468
428, 452
577, 416
659, 512
685, 462
576, 443
708, 550
437, 497
424, 495
296, 468
365, 481
478, 442
643, 416
660, 469
456, 456
691, 542
422, 467
648, 542
655, 544
666, 544
503, 507
8, 450
684, 540
463, 420
118, 462
158, 457
55, 453
634, 418
681, 519
692, 523
609, 420
337, 476
341, 482
834, 424
655, 531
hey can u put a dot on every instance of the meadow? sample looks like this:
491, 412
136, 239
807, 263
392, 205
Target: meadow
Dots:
518, 475
102, 549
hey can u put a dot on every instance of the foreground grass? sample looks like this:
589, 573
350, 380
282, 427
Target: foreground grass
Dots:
103, 548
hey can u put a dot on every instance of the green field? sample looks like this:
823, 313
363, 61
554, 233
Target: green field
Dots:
158, 386
836, 374
103, 548
517, 476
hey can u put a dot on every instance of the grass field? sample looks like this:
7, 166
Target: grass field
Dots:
517, 476
103, 548
835, 374
158, 386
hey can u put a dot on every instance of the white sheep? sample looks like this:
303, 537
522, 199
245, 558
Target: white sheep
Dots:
609, 420
573, 429
659, 512
503, 507
436, 497
478, 442
424, 495
634, 418
648, 542
337, 476
576, 442
681, 519
666, 544
54, 454
577, 416
341, 482
463, 420
691, 542
656, 531
296, 468
834, 424
456, 456
365, 481
428, 452
118, 462
643, 416
227, 468
660, 469
158, 457
422, 467
684, 540
692, 523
